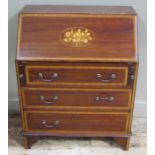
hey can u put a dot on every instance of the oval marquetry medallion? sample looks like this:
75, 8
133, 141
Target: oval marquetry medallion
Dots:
77, 36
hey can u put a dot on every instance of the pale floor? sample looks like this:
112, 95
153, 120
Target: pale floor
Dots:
80, 146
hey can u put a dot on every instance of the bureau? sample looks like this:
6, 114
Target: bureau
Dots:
76, 71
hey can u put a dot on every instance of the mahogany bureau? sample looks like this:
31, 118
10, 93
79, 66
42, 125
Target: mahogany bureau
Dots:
76, 71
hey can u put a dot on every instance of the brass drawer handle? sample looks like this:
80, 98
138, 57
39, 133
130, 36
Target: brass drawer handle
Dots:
110, 98
52, 77
42, 98
55, 124
100, 77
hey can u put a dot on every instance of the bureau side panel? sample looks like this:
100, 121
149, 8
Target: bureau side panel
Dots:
20, 93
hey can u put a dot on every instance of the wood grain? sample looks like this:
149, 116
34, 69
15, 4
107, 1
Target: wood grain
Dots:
70, 122
60, 9
76, 98
69, 75
76, 112
40, 38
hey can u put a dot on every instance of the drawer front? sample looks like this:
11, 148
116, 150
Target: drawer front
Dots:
72, 122
77, 75
73, 98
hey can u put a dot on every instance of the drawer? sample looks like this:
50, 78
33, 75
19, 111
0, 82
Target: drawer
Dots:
76, 75
56, 122
74, 98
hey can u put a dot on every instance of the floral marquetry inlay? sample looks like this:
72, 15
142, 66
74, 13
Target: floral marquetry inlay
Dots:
77, 37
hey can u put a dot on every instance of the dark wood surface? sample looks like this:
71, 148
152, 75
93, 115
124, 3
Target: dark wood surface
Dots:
111, 48
40, 38
71, 74
82, 98
123, 142
76, 75
76, 122
79, 9
29, 140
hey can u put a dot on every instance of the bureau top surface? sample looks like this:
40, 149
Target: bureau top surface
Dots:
77, 33
79, 9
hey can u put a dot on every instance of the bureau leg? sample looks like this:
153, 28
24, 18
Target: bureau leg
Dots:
123, 141
29, 140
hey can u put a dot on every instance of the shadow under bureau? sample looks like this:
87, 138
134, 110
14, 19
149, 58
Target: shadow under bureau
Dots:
76, 71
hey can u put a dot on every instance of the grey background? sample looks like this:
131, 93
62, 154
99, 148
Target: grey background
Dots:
16, 5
